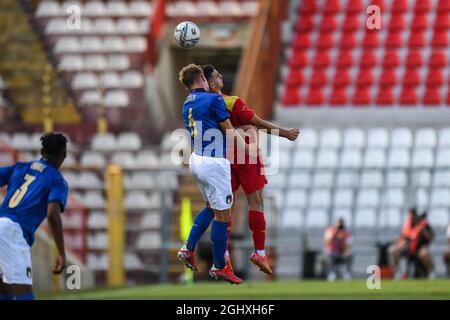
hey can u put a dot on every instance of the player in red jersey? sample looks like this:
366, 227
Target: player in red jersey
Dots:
249, 175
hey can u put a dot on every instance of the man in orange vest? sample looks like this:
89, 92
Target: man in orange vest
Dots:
338, 250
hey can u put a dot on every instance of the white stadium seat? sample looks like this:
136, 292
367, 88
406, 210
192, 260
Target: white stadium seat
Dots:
70, 161
114, 44
296, 198
299, 180
20, 141
390, 218
104, 26
67, 45
231, 7
71, 179
56, 26
371, 179
425, 138
444, 138
95, 62
320, 198
374, 158
140, 9
48, 9
354, 138
85, 80
440, 197
394, 197
207, 8
308, 139
89, 180
441, 178
323, 179
277, 181
365, 218
90, 97
147, 160
350, 159
343, 198
116, 9
129, 141
137, 200
132, 79
71, 63
292, 218
399, 158
94, 9
124, 159
141, 180
421, 178
327, 159
303, 159
249, 8
149, 241
422, 158
439, 217
117, 98
377, 138
182, 8
136, 44
316, 218
401, 138
347, 179
103, 142
92, 159
330, 138
368, 198
118, 62
443, 158
90, 44
422, 197
94, 200
396, 178
110, 80
127, 26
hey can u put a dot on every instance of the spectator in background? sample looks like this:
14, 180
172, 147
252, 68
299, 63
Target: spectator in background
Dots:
447, 254
338, 250
413, 243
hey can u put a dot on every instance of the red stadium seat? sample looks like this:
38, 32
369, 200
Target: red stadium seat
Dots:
408, 96
298, 60
321, 60
305, 24
411, 78
308, 7
291, 97
344, 59
302, 41
328, 24
351, 23
432, 96
348, 41
361, 97
371, 39
417, 39
325, 41
435, 78
379, 3
400, 6
391, 60
444, 6
338, 97
331, 7
388, 78
385, 97
420, 22
364, 79
438, 59
355, 7
294, 79
367, 60
440, 39
414, 60
394, 40
318, 78
314, 97
442, 22
397, 22
422, 6
341, 78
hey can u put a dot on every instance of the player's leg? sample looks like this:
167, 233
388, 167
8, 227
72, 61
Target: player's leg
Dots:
425, 258
447, 262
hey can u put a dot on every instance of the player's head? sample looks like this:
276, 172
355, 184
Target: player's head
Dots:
54, 148
412, 213
192, 77
215, 79
340, 224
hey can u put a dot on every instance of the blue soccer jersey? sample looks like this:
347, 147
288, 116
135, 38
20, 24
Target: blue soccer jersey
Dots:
202, 113
31, 187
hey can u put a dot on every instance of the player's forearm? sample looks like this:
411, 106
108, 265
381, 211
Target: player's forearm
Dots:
271, 128
56, 227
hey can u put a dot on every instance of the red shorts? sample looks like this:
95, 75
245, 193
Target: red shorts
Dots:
250, 176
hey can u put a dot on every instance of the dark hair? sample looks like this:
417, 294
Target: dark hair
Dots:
413, 211
208, 69
53, 144
189, 74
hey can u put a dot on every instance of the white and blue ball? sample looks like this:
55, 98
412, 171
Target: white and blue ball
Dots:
187, 34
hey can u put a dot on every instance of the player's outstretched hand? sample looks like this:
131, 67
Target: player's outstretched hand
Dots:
292, 133
60, 265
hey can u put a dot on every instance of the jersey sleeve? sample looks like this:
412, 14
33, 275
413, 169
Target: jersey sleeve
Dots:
219, 109
243, 113
5, 174
58, 193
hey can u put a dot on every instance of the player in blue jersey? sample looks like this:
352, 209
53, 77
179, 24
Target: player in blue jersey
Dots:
35, 190
207, 120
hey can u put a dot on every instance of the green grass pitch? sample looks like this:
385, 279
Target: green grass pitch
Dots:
356, 289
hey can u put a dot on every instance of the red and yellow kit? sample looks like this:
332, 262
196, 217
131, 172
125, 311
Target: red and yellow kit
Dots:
250, 176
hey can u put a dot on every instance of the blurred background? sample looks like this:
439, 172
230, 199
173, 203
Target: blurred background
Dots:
372, 106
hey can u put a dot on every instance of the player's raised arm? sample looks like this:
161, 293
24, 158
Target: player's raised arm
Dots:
271, 128
55, 223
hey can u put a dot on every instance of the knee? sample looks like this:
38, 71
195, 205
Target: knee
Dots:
255, 202
223, 216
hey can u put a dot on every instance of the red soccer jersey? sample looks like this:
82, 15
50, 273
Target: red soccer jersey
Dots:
240, 113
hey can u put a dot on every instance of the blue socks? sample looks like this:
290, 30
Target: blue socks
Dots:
25, 296
219, 238
201, 223
4, 296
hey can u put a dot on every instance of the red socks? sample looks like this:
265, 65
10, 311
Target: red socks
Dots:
257, 224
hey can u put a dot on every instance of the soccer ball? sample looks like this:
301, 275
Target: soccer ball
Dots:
187, 34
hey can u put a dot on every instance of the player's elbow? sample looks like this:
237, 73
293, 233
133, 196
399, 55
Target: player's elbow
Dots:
53, 211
